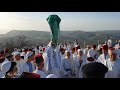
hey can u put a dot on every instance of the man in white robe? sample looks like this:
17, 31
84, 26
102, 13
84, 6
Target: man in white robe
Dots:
23, 54
68, 65
74, 53
52, 60
52, 53
93, 52
29, 66
86, 50
113, 64
62, 53
102, 58
19, 61
79, 60
39, 61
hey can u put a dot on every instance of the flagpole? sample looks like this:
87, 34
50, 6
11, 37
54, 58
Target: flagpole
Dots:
98, 42
84, 43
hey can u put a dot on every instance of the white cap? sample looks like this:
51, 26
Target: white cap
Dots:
5, 67
29, 54
16, 53
51, 76
67, 51
79, 50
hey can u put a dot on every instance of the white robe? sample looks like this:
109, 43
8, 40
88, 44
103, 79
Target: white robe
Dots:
1, 74
25, 67
62, 55
67, 64
116, 46
77, 64
20, 64
91, 53
85, 51
113, 68
74, 55
41, 73
99, 46
3, 62
80, 71
49, 61
102, 59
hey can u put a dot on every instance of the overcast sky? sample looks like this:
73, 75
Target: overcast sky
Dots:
85, 21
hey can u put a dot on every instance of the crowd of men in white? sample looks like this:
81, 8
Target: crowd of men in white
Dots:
34, 63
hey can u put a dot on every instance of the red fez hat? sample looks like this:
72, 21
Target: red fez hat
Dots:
30, 49
90, 59
111, 48
1, 53
78, 47
29, 75
38, 58
94, 46
105, 47
26, 49
73, 49
61, 49
43, 49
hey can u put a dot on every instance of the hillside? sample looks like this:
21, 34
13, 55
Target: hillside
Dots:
44, 37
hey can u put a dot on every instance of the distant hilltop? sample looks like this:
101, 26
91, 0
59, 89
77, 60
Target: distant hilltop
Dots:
44, 36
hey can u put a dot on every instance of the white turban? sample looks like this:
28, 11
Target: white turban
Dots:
79, 50
5, 67
67, 51
29, 54
16, 53
51, 76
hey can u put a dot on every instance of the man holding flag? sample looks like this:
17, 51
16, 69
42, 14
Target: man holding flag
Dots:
52, 63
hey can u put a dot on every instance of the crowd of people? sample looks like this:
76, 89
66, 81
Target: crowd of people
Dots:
62, 61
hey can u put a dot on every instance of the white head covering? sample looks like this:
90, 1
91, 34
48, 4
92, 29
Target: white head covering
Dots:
67, 51
51, 76
5, 67
16, 53
79, 50
99, 46
30, 53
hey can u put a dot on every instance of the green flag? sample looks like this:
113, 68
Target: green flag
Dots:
54, 22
